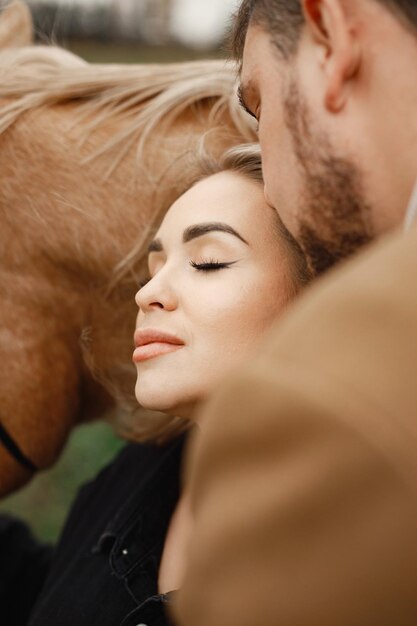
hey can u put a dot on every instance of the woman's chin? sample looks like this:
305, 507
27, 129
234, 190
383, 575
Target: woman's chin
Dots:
156, 401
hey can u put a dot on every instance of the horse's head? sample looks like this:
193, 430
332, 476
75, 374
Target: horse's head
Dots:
16, 27
90, 158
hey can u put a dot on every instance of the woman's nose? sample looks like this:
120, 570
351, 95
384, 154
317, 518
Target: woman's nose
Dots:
156, 294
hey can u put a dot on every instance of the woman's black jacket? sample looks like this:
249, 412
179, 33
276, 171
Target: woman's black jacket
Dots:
104, 570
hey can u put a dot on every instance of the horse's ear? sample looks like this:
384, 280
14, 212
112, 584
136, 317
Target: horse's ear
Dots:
16, 26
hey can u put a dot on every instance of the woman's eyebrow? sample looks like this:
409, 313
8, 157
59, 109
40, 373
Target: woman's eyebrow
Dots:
198, 230
192, 232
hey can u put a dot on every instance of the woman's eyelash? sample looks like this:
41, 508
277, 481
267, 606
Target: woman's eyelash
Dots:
202, 266
209, 266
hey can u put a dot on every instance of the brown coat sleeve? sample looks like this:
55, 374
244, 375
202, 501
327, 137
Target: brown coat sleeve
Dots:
304, 479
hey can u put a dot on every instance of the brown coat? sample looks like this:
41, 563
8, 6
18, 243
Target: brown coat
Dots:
304, 481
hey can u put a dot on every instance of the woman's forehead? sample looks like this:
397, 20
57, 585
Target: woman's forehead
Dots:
225, 197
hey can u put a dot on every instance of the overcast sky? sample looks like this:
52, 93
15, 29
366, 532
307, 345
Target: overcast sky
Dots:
201, 21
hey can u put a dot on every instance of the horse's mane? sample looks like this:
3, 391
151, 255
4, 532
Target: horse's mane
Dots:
145, 95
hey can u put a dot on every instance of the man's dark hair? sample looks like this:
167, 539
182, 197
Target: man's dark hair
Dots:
283, 19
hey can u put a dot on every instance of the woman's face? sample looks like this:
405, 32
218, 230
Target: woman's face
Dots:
218, 279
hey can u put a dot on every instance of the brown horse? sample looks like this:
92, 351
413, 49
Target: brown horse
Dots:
90, 158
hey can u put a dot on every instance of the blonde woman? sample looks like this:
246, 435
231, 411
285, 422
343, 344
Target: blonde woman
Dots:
221, 269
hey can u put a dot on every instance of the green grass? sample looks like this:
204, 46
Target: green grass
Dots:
44, 503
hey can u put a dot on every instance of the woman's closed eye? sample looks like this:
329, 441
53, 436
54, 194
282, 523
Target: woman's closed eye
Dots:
210, 265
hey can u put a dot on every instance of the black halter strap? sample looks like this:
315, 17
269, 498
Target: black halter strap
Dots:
12, 447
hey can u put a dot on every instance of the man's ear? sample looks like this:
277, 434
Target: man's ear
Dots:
331, 28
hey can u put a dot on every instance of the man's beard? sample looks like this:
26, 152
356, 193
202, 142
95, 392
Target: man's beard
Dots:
333, 215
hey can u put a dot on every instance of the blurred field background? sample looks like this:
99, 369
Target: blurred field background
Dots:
45, 502
98, 52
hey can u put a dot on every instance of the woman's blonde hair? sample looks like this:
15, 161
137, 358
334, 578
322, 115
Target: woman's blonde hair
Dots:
245, 159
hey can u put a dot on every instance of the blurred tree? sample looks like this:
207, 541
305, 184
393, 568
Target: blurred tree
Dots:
147, 20
117, 20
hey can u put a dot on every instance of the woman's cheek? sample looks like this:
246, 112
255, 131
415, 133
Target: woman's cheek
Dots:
234, 318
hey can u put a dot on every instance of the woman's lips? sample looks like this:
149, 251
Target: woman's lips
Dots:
152, 350
152, 343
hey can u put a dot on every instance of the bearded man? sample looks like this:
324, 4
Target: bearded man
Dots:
303, 482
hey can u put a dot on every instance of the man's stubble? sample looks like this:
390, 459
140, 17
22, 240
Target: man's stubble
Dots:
333, 215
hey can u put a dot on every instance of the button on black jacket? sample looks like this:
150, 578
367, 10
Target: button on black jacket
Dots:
104, 570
